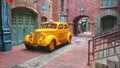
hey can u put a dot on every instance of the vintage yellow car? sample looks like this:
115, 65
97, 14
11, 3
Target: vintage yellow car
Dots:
50, 35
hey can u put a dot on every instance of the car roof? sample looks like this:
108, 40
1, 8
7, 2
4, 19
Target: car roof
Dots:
55, 22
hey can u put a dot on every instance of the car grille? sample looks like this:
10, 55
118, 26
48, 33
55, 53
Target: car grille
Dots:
36, 37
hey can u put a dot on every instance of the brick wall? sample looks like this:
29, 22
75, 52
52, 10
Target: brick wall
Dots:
35, 6
56, 9
92, 9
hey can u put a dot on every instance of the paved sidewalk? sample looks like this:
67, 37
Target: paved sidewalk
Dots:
70, 56
74, 58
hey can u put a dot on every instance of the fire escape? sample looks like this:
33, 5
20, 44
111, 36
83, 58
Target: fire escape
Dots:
104, 49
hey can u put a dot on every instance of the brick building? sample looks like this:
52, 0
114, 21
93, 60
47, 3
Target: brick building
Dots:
100, 15
59, 10
26, 15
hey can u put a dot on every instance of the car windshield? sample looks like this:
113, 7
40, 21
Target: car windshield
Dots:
49, 26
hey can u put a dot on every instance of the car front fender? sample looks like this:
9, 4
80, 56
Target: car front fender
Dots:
26, 39
49, 39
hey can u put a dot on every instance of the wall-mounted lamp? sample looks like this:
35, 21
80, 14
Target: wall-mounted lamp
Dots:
82, 9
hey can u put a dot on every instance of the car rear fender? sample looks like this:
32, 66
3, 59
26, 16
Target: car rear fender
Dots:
69, 35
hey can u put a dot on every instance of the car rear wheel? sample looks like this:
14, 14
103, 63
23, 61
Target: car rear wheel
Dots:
51, 46
29, 47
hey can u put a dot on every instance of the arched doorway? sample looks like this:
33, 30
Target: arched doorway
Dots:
108, 22
43, 19
103, 18
80, 24
23, 22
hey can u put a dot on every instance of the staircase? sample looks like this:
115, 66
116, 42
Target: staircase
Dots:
108, 62
104, 49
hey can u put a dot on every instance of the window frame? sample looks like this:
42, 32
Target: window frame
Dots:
109, 4
60, 26
65, 26
48, 26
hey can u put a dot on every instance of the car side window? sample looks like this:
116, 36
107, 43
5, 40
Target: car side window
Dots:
44, 26
65, 26
60, 26
54, 26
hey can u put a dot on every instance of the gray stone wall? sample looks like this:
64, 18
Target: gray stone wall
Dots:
105, 13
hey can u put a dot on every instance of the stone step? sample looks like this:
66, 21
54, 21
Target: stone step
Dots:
105, 53
101, 63
109, 62
113, 62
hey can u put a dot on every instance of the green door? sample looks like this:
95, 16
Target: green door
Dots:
14, 30
23, 22
26, 29
20, 28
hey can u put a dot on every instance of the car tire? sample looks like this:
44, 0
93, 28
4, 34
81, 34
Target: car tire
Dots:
29, 47
51, 46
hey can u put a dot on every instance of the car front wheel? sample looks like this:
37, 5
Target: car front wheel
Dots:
51, 46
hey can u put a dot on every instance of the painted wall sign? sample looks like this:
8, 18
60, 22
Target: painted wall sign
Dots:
44, 7
62, 18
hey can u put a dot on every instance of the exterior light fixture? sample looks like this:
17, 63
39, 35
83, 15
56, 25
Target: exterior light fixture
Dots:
82, 9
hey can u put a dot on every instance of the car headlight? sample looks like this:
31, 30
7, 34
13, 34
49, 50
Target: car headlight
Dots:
30, 35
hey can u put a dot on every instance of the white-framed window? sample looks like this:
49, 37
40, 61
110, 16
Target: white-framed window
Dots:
108, 3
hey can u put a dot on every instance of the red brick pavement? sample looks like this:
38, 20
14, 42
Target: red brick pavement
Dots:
19, 54
74, 58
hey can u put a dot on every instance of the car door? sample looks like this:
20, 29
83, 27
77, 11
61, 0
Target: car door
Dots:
66, 30
60, 33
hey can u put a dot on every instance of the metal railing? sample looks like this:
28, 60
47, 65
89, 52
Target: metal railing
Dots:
104, 45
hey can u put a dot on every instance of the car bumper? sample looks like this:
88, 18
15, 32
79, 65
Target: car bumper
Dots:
35, 45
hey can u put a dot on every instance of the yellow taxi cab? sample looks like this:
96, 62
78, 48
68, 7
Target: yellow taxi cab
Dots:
50, 35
